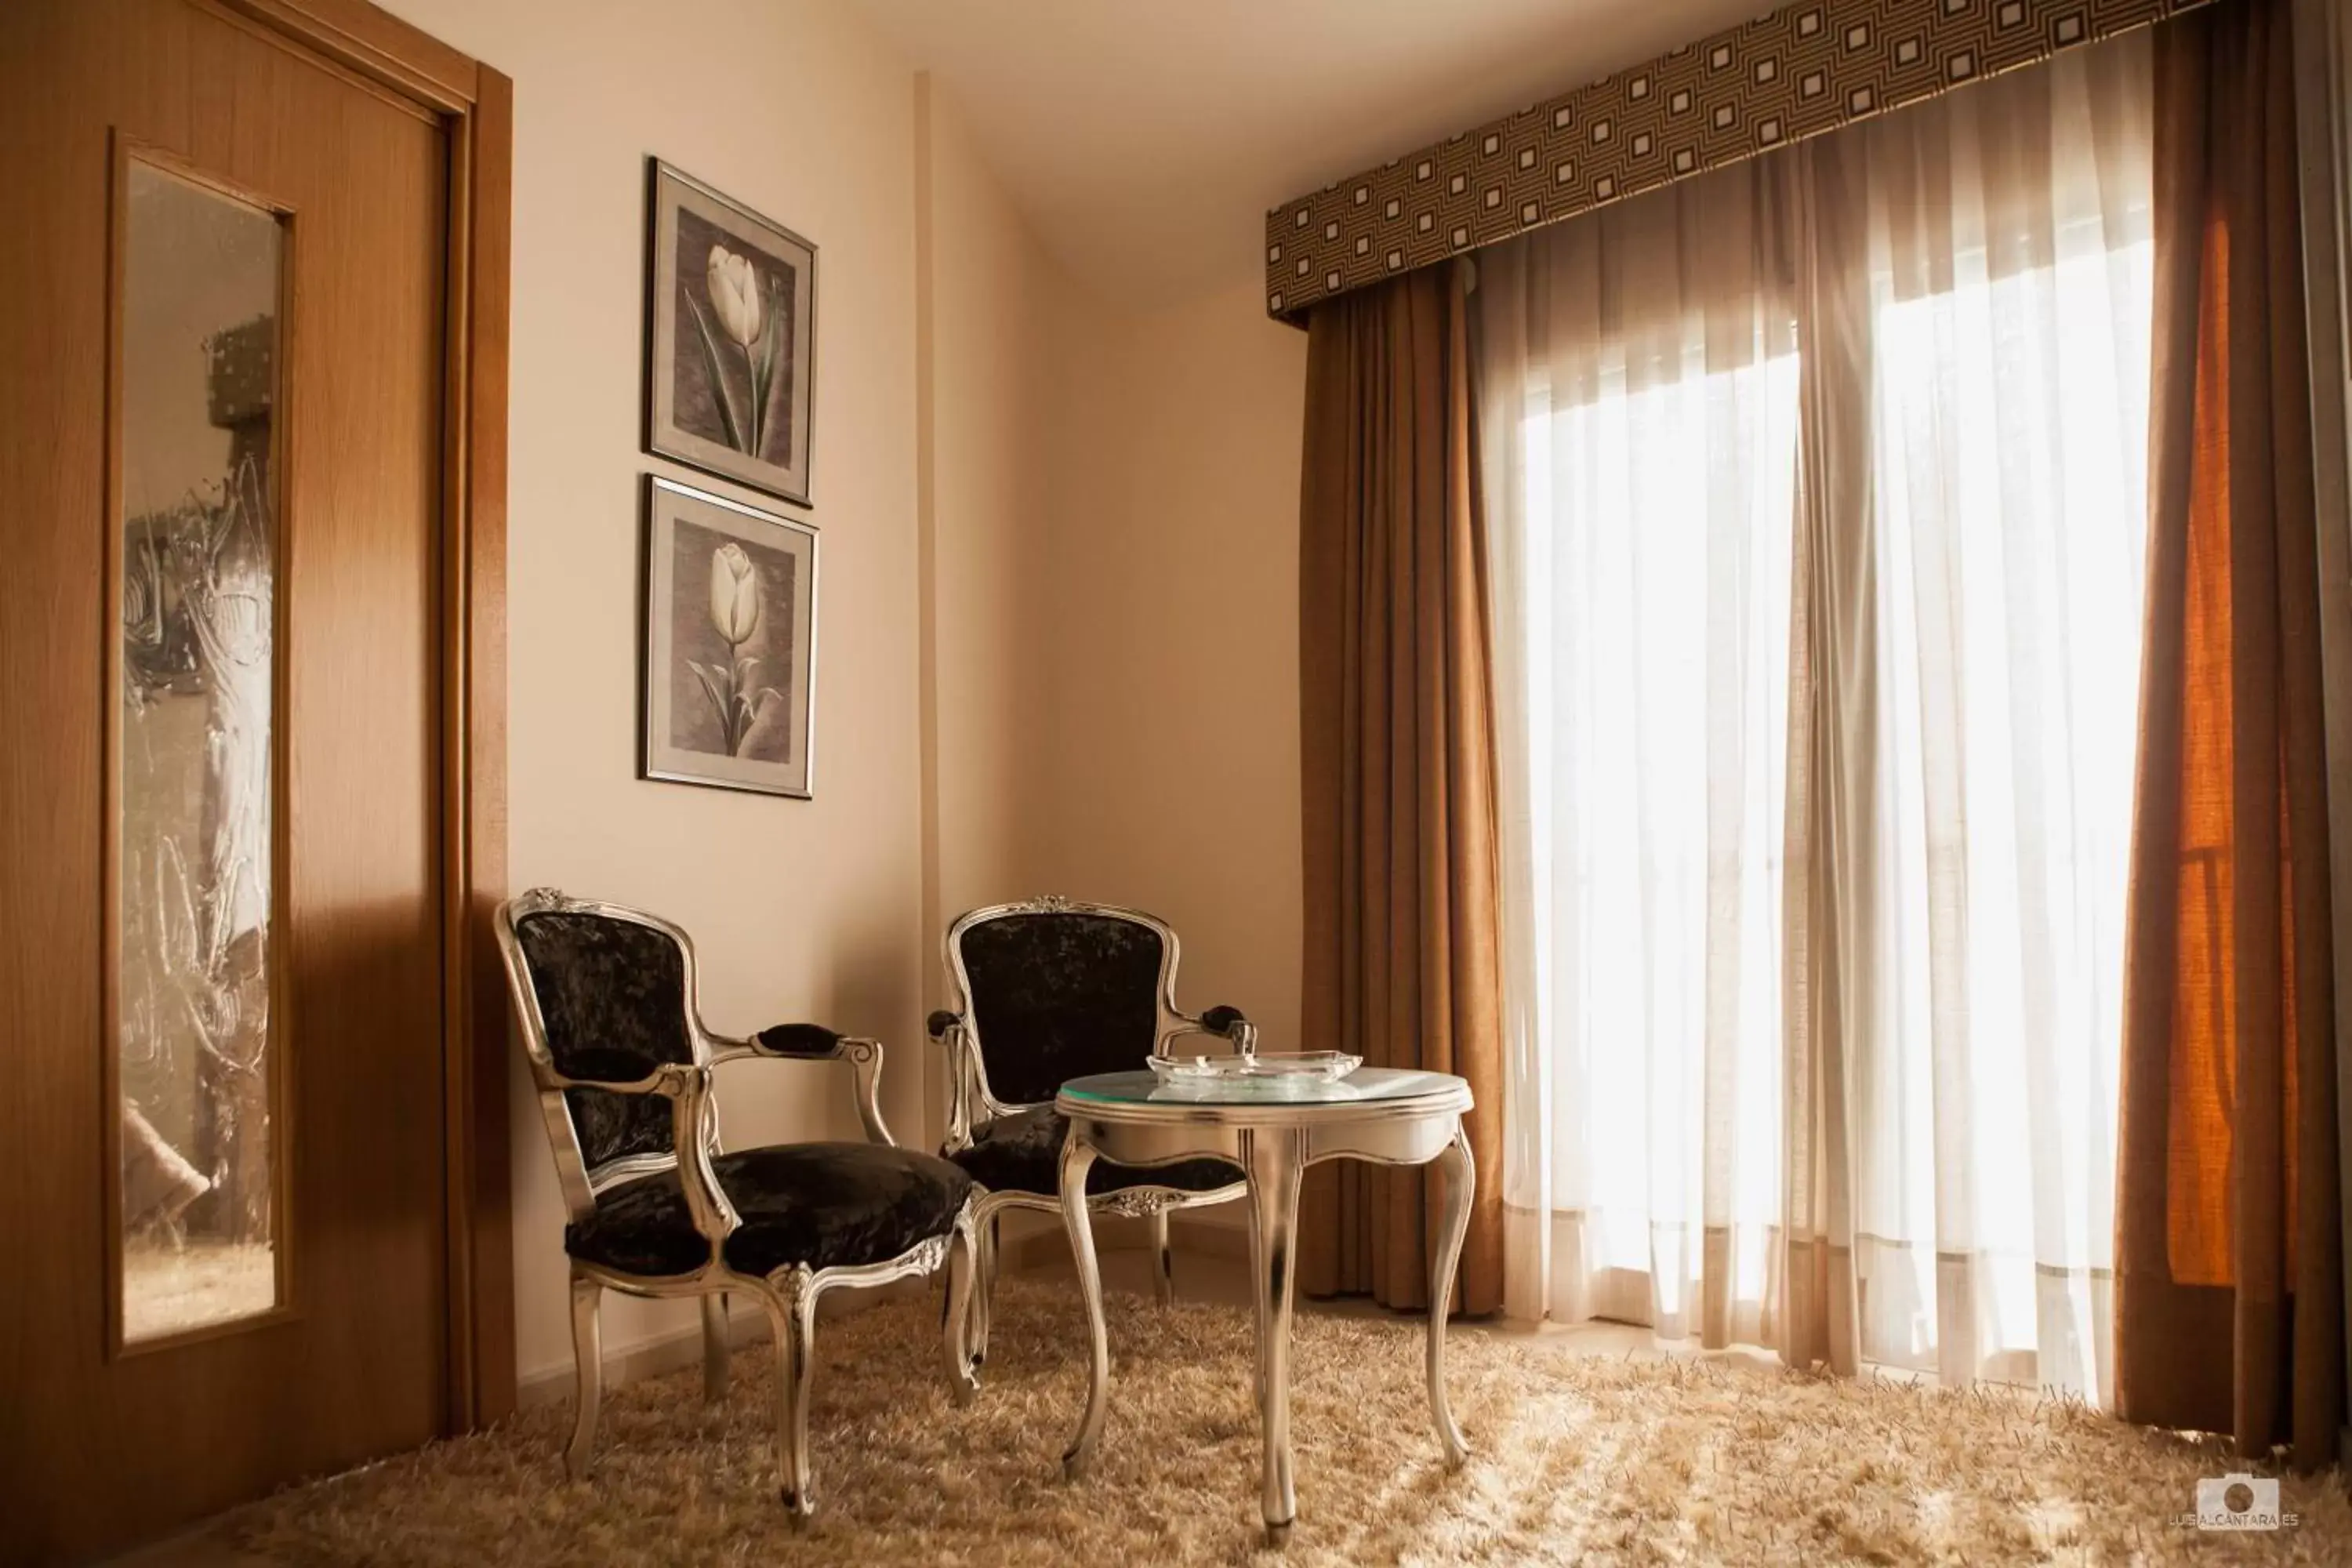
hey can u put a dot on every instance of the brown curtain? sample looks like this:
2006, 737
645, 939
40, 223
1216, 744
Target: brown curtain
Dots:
1403, 952
2229, 1259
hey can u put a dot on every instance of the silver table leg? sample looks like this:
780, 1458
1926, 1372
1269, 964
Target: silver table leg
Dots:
1078, 1159
1461, 1185
1274, 1160
1164, 1266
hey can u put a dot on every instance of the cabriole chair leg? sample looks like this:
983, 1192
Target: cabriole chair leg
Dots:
588, 1368
792, 1309
955, 1336
984, 1295
715, 1349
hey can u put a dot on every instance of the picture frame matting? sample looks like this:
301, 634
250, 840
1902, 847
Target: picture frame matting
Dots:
731, 337
727, 643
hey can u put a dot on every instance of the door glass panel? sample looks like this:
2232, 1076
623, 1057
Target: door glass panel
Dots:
196, 895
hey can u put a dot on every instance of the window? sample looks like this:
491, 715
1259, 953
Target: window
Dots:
1818, 784
1657, 670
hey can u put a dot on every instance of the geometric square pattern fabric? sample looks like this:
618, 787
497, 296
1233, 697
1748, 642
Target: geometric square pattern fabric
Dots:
1807, 68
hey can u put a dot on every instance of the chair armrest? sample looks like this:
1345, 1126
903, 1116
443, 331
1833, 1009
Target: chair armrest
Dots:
670, 1080
948, 1029
815, 1043
688, 1087
1228, 1021
812, 1040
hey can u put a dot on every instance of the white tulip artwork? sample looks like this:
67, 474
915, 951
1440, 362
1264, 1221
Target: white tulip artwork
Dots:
729, 643
736, 585
730, 351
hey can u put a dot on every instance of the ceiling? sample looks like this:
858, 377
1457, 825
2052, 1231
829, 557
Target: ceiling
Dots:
1145, 139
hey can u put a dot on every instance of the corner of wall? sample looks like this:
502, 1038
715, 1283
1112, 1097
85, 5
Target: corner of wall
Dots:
799, 909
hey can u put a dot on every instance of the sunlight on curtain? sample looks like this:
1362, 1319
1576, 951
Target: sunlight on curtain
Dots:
1641, 580
1644, 503
1658, 716
2010, 472
2012, 269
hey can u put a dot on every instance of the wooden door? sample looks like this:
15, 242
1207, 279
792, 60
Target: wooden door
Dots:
224, 1203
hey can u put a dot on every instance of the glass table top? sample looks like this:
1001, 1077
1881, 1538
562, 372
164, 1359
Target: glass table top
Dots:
1363, 1085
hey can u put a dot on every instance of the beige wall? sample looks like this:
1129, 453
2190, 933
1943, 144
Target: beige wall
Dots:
799, 909
1057, 646
990, 383
1173, 740
1114, 592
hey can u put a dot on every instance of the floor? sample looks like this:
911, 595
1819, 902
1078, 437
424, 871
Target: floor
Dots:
1226, 1279
1207, 1277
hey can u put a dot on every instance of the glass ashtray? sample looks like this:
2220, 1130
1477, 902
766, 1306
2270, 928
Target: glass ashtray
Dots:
1325, 1065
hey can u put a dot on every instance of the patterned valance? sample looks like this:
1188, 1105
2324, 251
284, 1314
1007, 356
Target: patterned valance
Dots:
1807, 68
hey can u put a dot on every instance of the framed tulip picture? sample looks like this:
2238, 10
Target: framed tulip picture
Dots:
730, 329
729, 643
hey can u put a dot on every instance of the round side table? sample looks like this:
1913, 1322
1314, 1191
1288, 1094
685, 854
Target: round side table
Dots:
1273, 1128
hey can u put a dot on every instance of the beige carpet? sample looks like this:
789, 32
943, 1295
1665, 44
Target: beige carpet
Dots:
1631, 1459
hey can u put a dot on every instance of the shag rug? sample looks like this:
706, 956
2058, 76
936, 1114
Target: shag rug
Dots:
1629, 1459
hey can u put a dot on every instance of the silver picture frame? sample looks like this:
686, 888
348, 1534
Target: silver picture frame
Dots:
726, 644
731, 337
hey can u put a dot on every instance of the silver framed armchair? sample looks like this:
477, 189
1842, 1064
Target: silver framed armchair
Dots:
626, 1071
1042, 992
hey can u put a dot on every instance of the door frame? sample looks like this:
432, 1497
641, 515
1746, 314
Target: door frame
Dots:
475, 104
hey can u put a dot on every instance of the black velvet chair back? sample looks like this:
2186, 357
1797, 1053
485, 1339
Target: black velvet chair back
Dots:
1056, 995
612, 994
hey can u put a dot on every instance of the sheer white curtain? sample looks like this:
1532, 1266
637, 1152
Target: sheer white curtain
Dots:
1833, 460
1642, 430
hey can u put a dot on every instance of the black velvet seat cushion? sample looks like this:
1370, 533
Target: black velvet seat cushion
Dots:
829, 1205
1022, 1152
